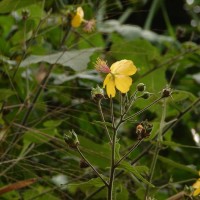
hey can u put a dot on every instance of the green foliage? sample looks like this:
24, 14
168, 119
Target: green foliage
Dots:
46, 76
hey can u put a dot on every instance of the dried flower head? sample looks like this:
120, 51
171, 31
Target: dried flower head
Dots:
89, 25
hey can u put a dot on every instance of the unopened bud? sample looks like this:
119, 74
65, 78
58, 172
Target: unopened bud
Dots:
25, 14
71, 139
166, 92
146, 95
141, 87
97, 93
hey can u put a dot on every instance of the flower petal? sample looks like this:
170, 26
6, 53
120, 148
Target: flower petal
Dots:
107, 79
78, 18
123, 83
80, 12
76, 21
110, 85
196, 192
123, 67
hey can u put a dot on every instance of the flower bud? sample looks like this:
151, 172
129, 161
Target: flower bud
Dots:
97, 93
146, 95
166, 92
102, 66
25, 14
89, 25
71, 139
141, 87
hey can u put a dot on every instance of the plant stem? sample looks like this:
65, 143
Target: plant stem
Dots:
150, 146
112, 168
158, 146
151, 14
97, 173
103, 119
127, 154
141, 111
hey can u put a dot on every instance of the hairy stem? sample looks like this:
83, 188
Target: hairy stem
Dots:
86, 160
128, 153
112, 167
103, 119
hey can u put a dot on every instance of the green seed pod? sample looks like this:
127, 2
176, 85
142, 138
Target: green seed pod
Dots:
71, 139
145, 95
166, 92
141, 87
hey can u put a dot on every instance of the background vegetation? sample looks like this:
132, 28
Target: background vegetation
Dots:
46, 76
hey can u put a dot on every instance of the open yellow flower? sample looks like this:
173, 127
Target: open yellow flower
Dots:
77, 18
118, 77
196, 187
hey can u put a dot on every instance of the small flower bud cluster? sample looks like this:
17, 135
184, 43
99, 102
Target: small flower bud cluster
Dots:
25, 14
71, 139
141, 87
166, 92
97, 93
143, 129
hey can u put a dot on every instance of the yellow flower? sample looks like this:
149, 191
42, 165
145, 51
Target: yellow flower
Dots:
118, 77
77, 18
196, 187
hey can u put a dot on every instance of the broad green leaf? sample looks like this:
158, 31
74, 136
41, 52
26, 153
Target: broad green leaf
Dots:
97, 154
136, 171
40, 136
86, 75
10, 5
130, 32
140, 51
176, 165
77, 60
180, 95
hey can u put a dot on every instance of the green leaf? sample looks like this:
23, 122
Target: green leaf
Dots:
136, 171
180, 95
121, 192
131, 32
67, 59
52, 123
10, 5
97, 154
142, 52
40, 136
5, 94
87, 186
177, 165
